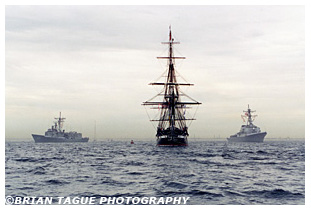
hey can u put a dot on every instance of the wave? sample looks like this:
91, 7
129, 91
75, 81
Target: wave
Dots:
37, 170
175, 185
262, 152
202, 192
56, 182
32, 159
275, 193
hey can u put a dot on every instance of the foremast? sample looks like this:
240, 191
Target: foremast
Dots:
59, 122
172, 116
250, 116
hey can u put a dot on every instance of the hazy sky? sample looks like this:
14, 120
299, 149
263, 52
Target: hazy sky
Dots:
94, 63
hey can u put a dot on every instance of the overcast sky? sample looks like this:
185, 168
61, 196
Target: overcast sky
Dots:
94, 63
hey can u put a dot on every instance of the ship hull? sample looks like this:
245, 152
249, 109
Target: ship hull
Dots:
172, 141
258, 137
44, 139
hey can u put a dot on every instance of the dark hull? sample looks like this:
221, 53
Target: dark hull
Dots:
258, 137
172, 141
44, 139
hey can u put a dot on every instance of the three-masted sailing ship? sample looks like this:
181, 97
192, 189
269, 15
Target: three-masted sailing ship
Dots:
172, 128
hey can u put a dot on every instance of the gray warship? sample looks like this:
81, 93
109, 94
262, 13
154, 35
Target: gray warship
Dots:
55, 134
248, 132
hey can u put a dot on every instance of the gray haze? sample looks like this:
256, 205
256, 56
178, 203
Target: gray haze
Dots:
94, 63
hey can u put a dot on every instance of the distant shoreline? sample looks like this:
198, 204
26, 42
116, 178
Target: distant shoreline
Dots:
153, 139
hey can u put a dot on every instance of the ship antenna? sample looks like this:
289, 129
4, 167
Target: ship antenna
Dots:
249, 115
170, 35
60, 120
95, 131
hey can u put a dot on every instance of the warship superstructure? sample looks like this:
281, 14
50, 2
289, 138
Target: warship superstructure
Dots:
172, 129
57, 135
248, 132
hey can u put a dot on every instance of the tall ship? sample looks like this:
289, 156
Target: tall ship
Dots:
248, 132
57, 135
172, 129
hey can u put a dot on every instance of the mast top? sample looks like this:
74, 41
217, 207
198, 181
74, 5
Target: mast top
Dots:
60, 118
249, 110
170, 34
170, 38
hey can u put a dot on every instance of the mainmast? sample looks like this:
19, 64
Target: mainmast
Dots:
171, 89
60, 121
251, 117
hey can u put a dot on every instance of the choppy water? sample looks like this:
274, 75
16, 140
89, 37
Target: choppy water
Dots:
209, 172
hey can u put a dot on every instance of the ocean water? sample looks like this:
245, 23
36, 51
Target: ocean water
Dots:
209, 172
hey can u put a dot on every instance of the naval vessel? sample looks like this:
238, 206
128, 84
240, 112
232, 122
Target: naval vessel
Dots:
248, 132
172, 129
55, 134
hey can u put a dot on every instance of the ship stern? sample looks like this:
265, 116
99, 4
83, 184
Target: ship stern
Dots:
166, 141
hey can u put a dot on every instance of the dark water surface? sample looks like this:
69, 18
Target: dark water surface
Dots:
209, 172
